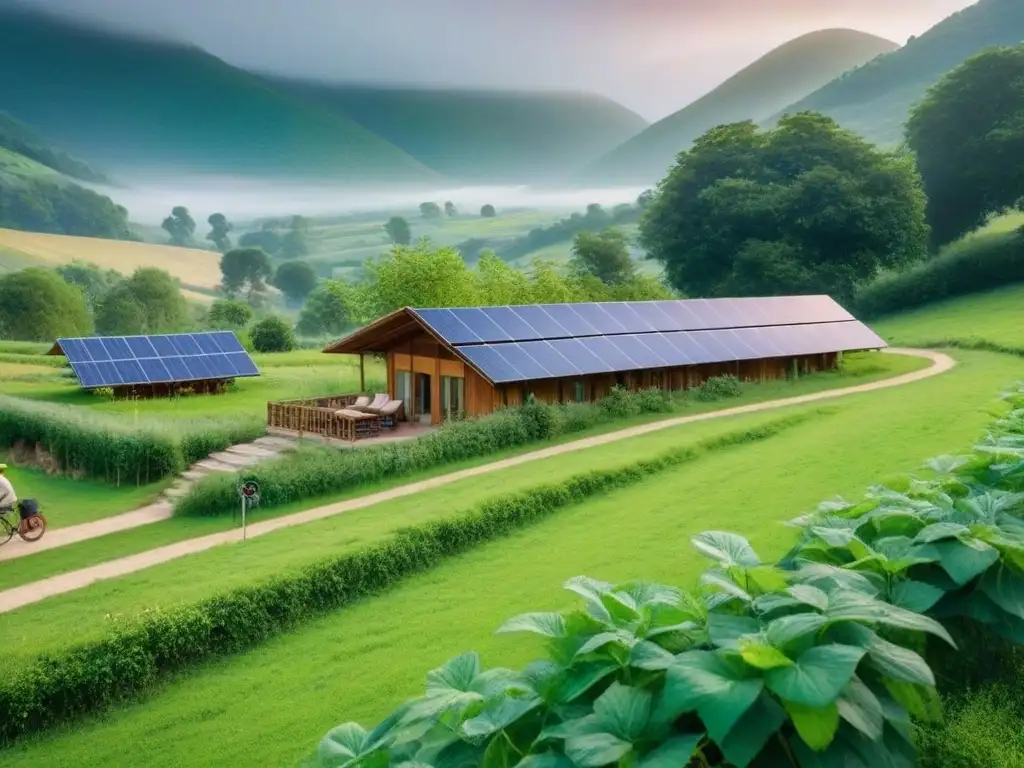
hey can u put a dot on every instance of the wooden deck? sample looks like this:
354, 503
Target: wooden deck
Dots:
404, 431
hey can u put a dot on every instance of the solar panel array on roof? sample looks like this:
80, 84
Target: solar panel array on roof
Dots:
523, 361
117, 361
523, 343
489, 325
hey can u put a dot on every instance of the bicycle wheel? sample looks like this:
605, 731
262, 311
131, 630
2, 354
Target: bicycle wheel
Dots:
32, 528
6, 531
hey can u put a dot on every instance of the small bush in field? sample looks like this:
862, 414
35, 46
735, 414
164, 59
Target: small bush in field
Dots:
620, 403
272, 334
718, 388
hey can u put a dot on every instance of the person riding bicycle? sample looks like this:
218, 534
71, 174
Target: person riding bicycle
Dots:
8, 498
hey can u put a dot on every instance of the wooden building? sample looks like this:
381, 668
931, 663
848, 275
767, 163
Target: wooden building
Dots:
468, 362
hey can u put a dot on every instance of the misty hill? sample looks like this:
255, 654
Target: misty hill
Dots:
130, 104
18, 138
482, 136
876, 98
754, 93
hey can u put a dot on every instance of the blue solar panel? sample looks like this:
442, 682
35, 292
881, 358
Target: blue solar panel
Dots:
112, 361
638, 352
568, 318
542, 322
448, 326
485, 328
690, 348
513, 324
582, 358
603, 348
627, 317
553, 360
599, 319
527, 367
492, 364
654, 316
664, 349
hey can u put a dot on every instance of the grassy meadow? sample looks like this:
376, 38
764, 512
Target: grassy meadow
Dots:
358, 663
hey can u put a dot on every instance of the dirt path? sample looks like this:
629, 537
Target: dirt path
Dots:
67, 582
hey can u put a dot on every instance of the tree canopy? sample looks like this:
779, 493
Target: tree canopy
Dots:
329, 310
93, 281
968, 136
295, 279
180, 226
36, 304
272, 334
149, 301
605, 255
487, 211
220, 228
806, 207
245, 268
229, 314
398, 231
430, 210
450, 210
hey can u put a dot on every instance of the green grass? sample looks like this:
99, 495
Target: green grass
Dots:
358, 663
996, 317
858, 369
66, 501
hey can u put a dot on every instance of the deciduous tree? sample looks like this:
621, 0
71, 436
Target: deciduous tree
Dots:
329, 310
219, 229
604, 255
450, 210
806, 207
228, 314
295, 279
398, 231
180, 226
273, 334
968, 136
430, 210
487, 211
243, 268
36, 304
421, 276
149, 301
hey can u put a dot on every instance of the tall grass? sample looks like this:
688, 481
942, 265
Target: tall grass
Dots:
77, 441
977, 263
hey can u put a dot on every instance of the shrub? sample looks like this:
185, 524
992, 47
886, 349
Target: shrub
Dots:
976, 264
136, 653
37, 305
272, 334
718, 388
620, 403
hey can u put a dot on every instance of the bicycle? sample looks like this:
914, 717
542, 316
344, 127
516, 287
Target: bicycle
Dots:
30, 525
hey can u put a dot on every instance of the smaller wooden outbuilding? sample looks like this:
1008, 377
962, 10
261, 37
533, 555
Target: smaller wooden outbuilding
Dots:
467, 362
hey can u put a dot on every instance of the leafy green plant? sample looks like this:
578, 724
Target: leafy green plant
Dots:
761, 668
718, 388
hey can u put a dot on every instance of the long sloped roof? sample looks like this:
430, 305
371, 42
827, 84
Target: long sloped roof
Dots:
540, 341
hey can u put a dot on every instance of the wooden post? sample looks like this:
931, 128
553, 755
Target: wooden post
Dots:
362, 373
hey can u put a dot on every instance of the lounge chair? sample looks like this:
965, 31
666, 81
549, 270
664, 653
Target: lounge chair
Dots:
389, 414
360, 423
379, 401
361, 402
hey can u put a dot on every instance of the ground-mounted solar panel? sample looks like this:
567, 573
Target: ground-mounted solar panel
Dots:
120, 361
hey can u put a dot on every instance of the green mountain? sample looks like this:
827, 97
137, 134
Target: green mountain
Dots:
754, 93
482, 136
876, 98
130, 104
19, 139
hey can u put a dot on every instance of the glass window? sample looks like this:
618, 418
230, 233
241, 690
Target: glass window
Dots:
403, 386
452, 397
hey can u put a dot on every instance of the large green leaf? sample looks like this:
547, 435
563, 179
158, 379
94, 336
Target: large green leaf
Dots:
919, 700
860, 708
940, 531
457, 675
965, 560
853, 606
597, 642
750, 734
1005, 588
706, 682
728, 549
816, 725
761, 655
580, 678
784, 630
544, 624
915, 596
571, 728
898, 663
721, 582
809, 595
674, 753
342, 744
594, 750
649, 656
623, 711
498, 714
725, 629
646, 593
817, 677
843, 538
621, 607
547, 760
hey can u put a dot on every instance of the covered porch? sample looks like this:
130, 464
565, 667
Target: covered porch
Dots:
333, 419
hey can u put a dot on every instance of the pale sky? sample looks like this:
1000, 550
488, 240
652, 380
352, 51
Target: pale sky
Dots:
653, 56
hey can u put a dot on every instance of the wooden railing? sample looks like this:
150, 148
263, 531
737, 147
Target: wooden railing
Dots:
316, 416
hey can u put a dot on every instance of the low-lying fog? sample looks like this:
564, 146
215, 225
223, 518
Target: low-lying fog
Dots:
239, 200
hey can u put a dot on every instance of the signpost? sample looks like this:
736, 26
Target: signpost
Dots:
249, 493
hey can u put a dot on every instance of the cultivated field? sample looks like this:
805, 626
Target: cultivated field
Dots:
198, 270
360, 662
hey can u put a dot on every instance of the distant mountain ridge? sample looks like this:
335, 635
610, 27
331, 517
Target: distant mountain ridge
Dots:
141, 105
875, 99
756, 92
476, 136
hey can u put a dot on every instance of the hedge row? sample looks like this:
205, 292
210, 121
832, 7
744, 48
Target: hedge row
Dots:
105, 448
317, 471
980, 263
821, 659
137, 654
